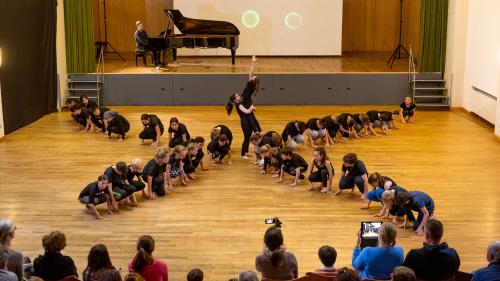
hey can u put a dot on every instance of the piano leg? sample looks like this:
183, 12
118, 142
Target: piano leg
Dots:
233, 55
174, 53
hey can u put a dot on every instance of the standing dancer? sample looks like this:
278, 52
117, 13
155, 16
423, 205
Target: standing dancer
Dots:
245, 121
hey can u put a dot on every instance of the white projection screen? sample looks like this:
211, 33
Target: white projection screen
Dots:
273, 27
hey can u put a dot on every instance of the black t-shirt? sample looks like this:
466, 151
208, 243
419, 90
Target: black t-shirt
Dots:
224, 130
152, 169
214, 146
120, 125
102, 109
372, 116
290, 130
91, 104
358, 169
244, 118
331, 124
312, 124
403, 106
342, 119
247, 94
113, 176
54, 266
386, 116
92, 190
84, 113
357, 119
155, 121
267, 140
296, 162
131, 175
173, 161
199, 155
180, 131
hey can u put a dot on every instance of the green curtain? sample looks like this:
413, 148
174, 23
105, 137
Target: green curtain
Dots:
433, 25
78, 22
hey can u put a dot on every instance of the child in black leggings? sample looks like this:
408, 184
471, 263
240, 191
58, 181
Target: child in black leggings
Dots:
324, 170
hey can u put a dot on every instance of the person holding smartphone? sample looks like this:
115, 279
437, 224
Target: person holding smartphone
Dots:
378, 262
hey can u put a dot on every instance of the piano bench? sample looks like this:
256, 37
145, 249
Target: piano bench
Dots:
143, 55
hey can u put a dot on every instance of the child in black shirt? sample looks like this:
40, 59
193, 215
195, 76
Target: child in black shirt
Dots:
218, 148
293, 164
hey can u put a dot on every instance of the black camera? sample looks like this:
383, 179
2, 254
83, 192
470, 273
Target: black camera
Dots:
276, 221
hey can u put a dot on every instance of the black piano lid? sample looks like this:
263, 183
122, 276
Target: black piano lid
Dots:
199, 26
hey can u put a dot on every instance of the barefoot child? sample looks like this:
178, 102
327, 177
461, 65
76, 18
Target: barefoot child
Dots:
218, 148
95, 194
293, 164
324, 173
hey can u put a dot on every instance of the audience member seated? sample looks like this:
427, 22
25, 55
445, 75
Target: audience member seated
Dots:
15, 260
248, 276
145, 264
403, 273
99, 266
133, 276
347, 274
492, 271
435, 261
275, 262
5, 275
378, 262
328, 256
195, 275
53, 265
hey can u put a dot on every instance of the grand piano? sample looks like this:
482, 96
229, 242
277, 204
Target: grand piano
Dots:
196, 33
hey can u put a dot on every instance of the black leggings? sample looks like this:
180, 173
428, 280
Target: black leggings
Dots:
138, 186
247, 132
149, 133
320, 175
158, 185
174, 142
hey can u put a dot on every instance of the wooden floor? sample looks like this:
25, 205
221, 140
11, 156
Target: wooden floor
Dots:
348, 62
216, 223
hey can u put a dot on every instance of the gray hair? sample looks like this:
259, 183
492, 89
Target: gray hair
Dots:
248, 276
493, 250
7, 229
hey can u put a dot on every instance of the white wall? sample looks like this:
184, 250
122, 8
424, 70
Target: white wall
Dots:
473, 56
61, 53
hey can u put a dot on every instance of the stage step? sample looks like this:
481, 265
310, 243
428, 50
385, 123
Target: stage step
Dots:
431, 88
432, 104
429, 80
432, 97
84, 89
84, 81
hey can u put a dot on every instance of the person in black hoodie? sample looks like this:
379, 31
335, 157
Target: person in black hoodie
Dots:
434, 261
53, 265
119, 125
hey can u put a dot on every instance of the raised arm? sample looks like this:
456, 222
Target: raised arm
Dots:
252, 68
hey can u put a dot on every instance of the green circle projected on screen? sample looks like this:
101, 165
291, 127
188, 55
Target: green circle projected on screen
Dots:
293, 20
250, 19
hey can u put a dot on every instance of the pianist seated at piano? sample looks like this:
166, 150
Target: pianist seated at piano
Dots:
142, 42
141, 38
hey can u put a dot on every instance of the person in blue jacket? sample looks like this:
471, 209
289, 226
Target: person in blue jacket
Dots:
378, 262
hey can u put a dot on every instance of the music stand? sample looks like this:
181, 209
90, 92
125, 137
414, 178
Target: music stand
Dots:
399, 48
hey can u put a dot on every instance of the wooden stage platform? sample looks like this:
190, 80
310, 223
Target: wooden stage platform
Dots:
217, 222
348, 62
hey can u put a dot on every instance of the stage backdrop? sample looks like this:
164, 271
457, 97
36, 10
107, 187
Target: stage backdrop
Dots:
278, 27
28, 75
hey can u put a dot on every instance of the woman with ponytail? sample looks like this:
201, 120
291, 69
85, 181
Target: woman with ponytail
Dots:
145, 264
275, 262
248, 122
379, 184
